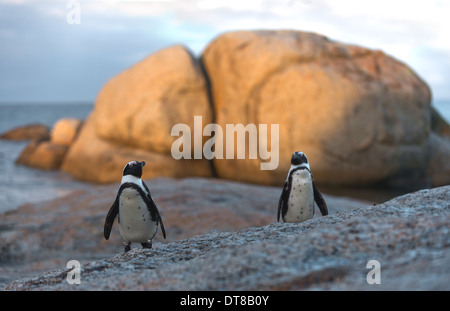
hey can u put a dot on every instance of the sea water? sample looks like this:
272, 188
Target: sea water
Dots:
21, 184
443, 107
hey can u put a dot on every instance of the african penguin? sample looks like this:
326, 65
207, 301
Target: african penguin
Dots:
138, 214
299, 192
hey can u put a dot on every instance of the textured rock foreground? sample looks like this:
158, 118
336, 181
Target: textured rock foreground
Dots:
45, 236
408, 235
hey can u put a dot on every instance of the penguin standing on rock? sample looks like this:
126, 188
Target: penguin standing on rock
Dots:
299, 192
138, 215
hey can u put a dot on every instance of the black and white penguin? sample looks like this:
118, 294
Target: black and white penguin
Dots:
299, 192
138, 215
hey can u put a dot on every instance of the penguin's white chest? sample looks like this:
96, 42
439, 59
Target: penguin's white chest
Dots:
135, 223
300, 205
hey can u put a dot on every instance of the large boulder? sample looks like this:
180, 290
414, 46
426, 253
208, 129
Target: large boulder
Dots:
92, 158
140, 106
359, 115
133, 117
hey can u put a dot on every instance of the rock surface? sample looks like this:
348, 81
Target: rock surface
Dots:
360, 115
408, 235
65, 131
438, 168
28, 132
48, 149
139, 106
92, 158
439, 125
43, 154
46, 236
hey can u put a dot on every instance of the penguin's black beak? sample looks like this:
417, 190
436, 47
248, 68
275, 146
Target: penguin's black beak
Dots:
295, 159
298, 158
142, 163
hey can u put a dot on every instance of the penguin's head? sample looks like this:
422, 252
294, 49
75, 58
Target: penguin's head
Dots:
134, 168
299, 158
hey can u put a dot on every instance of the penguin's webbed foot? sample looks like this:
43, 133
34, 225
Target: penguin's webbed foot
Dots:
127, 247
147, 244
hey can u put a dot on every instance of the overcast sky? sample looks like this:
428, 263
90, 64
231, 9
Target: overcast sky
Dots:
45, 59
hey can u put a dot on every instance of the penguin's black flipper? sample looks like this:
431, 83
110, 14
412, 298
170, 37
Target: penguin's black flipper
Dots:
109, 221
146, 188
156, 211
281, 202
320, 201
160, 222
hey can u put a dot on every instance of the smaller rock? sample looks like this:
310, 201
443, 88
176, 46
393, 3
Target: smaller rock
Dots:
438, 124
28, 132
65, 131
438, 168
43, 154
48, 151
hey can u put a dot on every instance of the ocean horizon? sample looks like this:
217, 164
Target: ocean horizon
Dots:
442, 105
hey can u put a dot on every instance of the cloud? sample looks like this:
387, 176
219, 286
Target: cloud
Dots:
42, 58
39, 51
